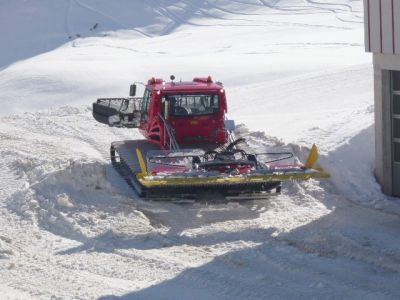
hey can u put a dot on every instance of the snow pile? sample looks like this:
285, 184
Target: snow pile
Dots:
79, 202
352, 171
77, 176
49, 199
351, 164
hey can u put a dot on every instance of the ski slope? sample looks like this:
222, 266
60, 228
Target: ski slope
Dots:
295, 73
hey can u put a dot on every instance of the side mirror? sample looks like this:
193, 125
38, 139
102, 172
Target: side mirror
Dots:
132, 90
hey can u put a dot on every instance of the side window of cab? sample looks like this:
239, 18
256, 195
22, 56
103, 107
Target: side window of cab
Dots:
145, 105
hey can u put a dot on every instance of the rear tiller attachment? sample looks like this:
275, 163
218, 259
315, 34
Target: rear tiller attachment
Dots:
118, 112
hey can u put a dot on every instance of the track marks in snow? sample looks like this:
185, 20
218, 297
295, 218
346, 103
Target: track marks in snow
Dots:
75, 18
354, 237
107, 16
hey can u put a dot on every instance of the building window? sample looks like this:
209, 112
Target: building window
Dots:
396, 128
396, 80
395, 96
396, 104
396, 151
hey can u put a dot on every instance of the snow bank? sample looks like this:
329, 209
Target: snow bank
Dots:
51, 198
79, 202
352, 169
351, 166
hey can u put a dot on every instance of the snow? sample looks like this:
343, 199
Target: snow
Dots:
295, 73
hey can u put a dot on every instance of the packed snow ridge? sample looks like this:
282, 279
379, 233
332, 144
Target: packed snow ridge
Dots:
295, 73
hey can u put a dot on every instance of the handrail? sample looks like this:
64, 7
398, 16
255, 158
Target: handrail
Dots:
173, 145
288, 155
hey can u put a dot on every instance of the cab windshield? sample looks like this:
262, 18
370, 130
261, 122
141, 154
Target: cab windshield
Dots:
192, 105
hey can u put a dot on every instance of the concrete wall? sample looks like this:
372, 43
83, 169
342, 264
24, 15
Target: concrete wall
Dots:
383, 63
382, 37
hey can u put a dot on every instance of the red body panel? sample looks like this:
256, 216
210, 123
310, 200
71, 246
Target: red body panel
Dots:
190, 129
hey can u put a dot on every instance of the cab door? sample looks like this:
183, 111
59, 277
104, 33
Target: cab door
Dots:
144, 112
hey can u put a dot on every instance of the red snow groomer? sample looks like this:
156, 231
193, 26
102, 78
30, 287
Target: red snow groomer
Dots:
189, 147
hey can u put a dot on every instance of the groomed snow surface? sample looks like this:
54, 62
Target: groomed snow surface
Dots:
295, 72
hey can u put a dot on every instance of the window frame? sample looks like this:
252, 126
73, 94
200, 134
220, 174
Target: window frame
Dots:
144, 112
191, 99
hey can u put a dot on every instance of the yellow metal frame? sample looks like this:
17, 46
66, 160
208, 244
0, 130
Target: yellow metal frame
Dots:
142, 163
312, 157
149, 182
228, 180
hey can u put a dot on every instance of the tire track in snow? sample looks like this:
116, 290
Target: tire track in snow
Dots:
349, 8
317, 6
346, 6
88, 7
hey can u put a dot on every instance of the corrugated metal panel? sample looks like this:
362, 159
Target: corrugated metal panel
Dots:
366, 24
387, 36
382, 26
375, 25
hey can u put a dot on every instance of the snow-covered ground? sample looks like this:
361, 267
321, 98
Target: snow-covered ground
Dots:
295, 72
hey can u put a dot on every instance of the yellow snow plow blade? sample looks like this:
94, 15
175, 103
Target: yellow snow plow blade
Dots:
149, 181
312, 157
306, 172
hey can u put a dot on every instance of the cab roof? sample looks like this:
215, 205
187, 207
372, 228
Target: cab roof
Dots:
197, 84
